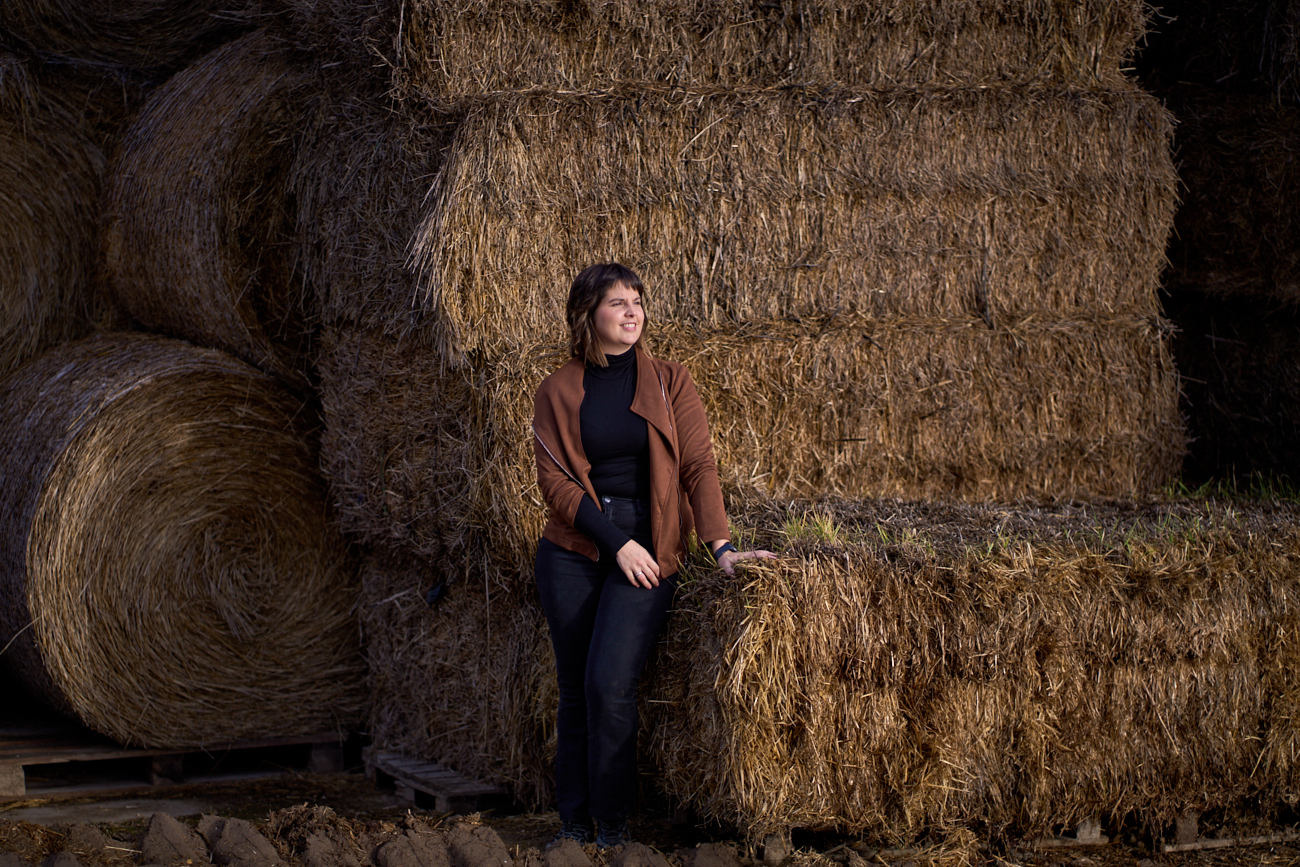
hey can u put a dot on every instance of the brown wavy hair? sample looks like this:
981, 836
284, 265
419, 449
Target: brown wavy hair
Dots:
585, 295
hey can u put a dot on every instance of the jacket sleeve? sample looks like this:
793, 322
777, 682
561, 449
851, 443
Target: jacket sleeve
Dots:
560, 488
698, 470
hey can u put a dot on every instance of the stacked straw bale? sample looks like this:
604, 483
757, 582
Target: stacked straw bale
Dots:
965, 308
143, 34
169, 571
906, 249
359, 181
449, 50
469, 681
905, 668
438, 460
741, 207
51, 169
909, 667
212, 151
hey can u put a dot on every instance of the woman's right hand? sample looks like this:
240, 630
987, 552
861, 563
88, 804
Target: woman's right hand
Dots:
638, 565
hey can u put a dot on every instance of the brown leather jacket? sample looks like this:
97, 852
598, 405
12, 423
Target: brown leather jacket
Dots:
685, 493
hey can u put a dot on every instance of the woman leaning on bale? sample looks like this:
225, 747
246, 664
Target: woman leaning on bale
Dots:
625, 463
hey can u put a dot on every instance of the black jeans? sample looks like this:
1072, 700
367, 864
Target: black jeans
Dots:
602, 629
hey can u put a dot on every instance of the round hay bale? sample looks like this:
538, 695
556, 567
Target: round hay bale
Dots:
169, 570
141, 33
50, 175
212, 151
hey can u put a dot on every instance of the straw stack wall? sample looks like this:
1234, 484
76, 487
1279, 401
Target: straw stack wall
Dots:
50, 175
1019, 670
947, 312
905, 669
468, 682
448, 50
438, 460
751, 206
161, 34
359, 182
169, 570
212, 151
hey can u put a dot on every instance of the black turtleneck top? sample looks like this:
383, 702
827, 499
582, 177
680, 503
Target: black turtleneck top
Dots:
617, 444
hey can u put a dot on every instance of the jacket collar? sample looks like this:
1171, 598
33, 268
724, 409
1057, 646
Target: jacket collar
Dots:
651, 399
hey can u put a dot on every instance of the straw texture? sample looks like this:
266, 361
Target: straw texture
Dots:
447, 50
905, 668
469, 681
169, 571
212, 151
50, 174
359, 182
740, 206
439, 460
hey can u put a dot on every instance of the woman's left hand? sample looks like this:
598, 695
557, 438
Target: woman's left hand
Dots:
727, 562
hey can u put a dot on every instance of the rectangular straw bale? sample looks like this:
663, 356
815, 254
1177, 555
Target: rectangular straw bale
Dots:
401, 446
431, 457
358, 181
1008, 714
734, 207
1281, 764
464, 48
1282, 740
903, 668
469, 681
1158, 739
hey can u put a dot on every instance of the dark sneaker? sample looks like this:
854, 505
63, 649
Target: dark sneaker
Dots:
612, 834
579, 832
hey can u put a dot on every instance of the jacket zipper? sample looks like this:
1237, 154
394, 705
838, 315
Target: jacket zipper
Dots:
563, 469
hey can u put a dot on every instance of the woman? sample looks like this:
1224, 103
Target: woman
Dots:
626, 467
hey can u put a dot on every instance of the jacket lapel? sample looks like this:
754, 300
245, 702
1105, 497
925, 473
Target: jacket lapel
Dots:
651, 401
569, 403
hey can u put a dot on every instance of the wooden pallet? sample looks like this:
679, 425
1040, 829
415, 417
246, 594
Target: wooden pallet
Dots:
26, 747
446, 790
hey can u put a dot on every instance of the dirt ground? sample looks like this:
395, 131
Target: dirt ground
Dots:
344, 820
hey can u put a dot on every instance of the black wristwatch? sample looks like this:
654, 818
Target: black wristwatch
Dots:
722, 549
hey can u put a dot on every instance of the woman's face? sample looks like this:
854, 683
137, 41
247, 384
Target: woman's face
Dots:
619, 319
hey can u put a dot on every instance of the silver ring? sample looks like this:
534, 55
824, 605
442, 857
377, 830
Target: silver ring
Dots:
640, 573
